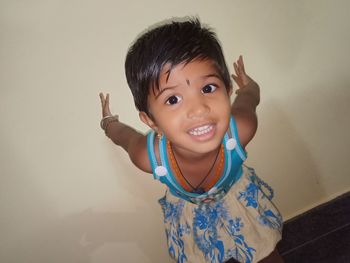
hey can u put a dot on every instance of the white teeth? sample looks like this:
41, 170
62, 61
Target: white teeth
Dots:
201, 130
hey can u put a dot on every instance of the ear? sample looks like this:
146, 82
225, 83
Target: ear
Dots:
148, 121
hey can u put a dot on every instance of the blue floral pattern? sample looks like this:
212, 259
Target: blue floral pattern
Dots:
253, 196
205, 221
208, 218
241, 252
213, 228
176, 231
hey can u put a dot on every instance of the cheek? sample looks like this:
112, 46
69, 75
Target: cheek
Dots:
172, 118
168, 121
224, 104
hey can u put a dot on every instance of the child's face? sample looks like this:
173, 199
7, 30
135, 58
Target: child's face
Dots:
191, 107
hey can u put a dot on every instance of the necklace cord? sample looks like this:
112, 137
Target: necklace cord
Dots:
195, 188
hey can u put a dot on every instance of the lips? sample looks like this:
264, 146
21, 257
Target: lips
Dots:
201, 130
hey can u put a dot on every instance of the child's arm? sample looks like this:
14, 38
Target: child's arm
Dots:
132, 141
244, 106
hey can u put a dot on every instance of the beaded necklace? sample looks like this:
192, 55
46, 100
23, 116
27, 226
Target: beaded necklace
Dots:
184, 181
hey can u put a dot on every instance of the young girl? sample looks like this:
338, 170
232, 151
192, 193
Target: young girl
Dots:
215, 208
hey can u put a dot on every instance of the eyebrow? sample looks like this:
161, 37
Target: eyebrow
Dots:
161, 91
211, 75
202, 77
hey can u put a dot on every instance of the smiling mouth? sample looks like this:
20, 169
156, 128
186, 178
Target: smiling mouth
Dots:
201, 130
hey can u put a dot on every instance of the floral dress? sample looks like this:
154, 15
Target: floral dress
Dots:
234, 219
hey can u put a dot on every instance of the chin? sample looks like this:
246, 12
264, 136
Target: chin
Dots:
207, 147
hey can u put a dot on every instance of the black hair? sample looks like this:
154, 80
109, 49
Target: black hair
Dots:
171, 44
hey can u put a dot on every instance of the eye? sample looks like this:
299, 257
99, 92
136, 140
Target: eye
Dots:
173, 100
209, 88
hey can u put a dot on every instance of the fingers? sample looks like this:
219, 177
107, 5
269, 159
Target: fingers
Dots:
240, 77
105, 104
235, 78
235, 66
239, 66
241, 63
102, 99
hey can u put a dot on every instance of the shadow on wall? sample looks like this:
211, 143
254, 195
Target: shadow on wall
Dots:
33, 233
111, 237
283, 158
91, 237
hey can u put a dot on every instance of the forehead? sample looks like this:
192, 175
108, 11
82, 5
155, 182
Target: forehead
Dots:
189, 71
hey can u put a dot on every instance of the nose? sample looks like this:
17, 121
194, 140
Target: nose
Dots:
198, 108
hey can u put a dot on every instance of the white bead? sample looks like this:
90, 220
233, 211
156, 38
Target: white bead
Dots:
161, 171
231, 144
213, 190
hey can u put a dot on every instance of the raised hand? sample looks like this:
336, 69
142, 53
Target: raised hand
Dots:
105, 105
241, 78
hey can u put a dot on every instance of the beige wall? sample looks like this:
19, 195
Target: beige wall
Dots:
68, 195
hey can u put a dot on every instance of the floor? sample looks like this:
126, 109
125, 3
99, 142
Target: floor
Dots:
319, 235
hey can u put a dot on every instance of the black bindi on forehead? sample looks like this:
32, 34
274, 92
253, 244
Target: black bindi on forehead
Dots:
188, 82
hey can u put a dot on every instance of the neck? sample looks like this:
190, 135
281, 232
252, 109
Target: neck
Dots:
185, 156
195, 177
